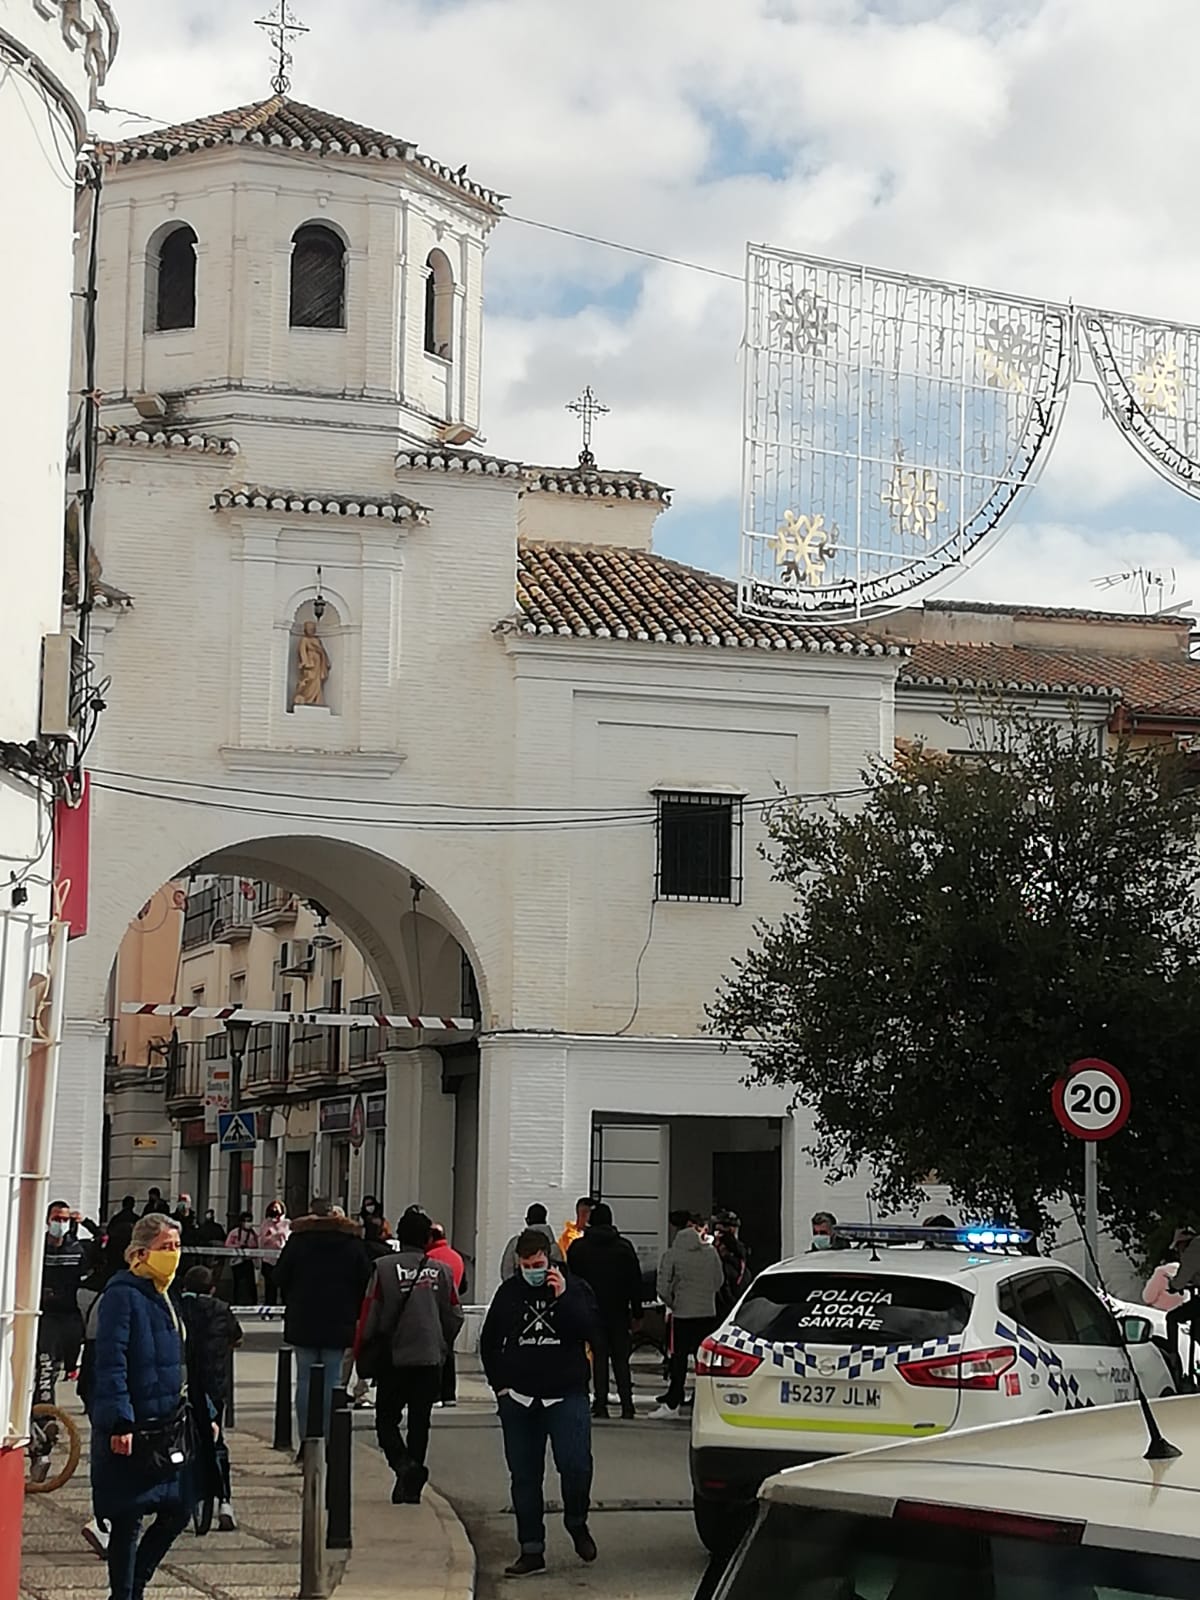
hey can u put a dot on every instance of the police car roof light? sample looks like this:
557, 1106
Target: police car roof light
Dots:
975, 1237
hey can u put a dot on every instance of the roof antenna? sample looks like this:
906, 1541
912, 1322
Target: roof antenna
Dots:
871, 1220
1160, 1447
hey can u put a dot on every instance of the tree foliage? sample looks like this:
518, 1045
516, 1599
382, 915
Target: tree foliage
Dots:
960, 939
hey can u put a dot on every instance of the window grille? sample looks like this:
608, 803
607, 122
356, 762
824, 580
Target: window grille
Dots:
699, 848
318, 278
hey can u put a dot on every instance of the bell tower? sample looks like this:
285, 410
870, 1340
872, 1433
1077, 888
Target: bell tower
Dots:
277, 263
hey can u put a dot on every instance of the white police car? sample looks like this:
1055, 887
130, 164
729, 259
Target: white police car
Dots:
917, 1333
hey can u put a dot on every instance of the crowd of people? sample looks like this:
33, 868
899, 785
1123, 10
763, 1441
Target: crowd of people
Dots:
150, 1344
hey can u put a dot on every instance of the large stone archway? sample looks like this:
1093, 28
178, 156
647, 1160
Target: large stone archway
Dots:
364, 876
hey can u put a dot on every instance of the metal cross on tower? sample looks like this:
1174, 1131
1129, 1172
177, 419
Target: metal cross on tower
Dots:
587, 407
282, 28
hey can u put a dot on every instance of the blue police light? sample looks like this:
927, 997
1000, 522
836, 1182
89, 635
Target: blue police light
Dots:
977, 1236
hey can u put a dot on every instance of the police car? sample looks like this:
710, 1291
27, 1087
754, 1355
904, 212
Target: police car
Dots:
915, 1332
1053, 1508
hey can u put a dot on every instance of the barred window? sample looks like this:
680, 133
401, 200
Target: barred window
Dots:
175, 280
699, 847
318, 278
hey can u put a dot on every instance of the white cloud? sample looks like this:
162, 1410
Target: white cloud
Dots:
1044, 146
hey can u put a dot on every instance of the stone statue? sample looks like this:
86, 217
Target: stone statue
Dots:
313, 662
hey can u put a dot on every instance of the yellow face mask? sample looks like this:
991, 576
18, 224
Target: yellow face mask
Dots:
160, 1266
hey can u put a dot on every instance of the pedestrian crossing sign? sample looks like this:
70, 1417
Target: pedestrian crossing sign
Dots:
236, 1130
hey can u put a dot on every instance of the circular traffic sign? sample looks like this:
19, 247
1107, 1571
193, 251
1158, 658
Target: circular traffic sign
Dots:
1092, 1101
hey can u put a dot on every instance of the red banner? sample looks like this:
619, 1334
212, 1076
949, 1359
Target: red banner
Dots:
72, 859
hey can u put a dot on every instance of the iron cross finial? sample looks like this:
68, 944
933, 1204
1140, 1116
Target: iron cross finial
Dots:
587, 407
282, 28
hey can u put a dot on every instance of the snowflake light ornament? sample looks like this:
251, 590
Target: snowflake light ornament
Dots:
912, 500
1008, 355
801, 322
1157, 384
803, 545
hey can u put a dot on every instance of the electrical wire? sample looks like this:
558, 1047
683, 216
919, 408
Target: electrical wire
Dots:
637, 972
563, 822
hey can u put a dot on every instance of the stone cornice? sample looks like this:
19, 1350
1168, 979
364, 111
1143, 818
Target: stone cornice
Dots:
313, 503
165, 437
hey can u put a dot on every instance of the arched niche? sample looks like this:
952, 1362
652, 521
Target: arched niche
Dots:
329, 634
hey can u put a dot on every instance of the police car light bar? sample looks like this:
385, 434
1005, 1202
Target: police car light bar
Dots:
978, 1236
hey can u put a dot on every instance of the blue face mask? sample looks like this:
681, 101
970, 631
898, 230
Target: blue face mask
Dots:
822, 1241
535, 1277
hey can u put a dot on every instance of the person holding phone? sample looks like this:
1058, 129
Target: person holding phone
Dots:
534, 1353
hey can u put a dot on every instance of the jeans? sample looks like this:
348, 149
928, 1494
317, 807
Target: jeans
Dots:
614, 1346
132, 1562
687, 1334
308, 1357
411, 1389
568, 1426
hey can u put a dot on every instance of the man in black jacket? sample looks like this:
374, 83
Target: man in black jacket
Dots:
534, 1353
321, 1276
607, 1261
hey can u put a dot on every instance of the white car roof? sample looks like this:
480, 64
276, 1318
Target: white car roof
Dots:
1080, 1465
913, 1262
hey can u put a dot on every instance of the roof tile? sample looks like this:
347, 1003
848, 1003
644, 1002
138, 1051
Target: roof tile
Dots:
1167, 687
612, 592
290, 124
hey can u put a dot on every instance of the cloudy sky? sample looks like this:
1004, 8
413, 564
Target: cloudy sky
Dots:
1045, 147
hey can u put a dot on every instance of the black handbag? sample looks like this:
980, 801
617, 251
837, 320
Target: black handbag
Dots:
165, 1448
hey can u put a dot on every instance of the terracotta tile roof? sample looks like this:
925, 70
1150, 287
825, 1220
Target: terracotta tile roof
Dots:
610, 592
317, 503
288, 124
166, 436
595, 481
1051, 613
1149, 687
551, 480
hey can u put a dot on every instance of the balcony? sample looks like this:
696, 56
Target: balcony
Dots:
199, 916
265, 1064
186, 1076
365, 1046
317, 1054
273, 906
235, 907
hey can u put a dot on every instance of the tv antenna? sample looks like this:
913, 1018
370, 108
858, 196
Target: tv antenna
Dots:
1150, 584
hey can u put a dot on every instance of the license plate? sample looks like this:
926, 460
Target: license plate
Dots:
851, 1396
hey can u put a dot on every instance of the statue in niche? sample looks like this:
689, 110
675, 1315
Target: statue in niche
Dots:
313, 668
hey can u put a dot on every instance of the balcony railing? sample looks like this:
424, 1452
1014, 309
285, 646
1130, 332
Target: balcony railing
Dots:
265, 1064
272, 905
316, 1052
186, 1073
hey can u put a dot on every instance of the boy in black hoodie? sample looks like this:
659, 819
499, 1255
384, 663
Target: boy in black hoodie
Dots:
534, 1353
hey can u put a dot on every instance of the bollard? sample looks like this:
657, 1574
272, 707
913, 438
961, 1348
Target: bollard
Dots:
337, 1480
283, 1400
314, 1421
230, 1418
314, 1578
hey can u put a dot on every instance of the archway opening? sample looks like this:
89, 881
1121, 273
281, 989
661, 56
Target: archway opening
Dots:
303, 929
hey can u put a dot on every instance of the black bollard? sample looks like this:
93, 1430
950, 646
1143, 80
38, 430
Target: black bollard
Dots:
230, 1418
337, 1481
314, 1422
283, 1400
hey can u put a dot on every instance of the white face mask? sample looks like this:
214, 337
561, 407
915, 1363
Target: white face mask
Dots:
58, 1229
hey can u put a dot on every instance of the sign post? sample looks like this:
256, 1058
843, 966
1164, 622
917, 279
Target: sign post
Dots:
1092, 1103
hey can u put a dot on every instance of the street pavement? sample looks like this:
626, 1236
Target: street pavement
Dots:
642, 1507
641, 1521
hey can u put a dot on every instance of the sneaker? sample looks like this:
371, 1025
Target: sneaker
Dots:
665, 1413
414, 1481
95, 1534
226, 1521
526, 1566
585, 1545
363, 1402
447, 1405
601, 1413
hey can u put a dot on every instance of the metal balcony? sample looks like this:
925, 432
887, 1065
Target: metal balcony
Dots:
273, 906
186, 1076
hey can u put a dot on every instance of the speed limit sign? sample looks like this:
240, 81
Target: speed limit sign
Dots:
1092, 1101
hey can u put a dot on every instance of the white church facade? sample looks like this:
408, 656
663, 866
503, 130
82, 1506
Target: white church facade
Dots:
457, 700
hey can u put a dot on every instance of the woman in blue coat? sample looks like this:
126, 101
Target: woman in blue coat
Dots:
138, 1383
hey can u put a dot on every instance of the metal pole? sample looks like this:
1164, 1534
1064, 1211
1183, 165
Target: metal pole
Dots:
314, 1578
230, 1406
283, 1401
1091, 1209
314, 1419
235, 1156
337, 1487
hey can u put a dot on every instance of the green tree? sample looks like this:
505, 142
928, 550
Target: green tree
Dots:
957, 941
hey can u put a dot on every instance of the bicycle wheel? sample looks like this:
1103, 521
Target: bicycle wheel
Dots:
53, 1451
